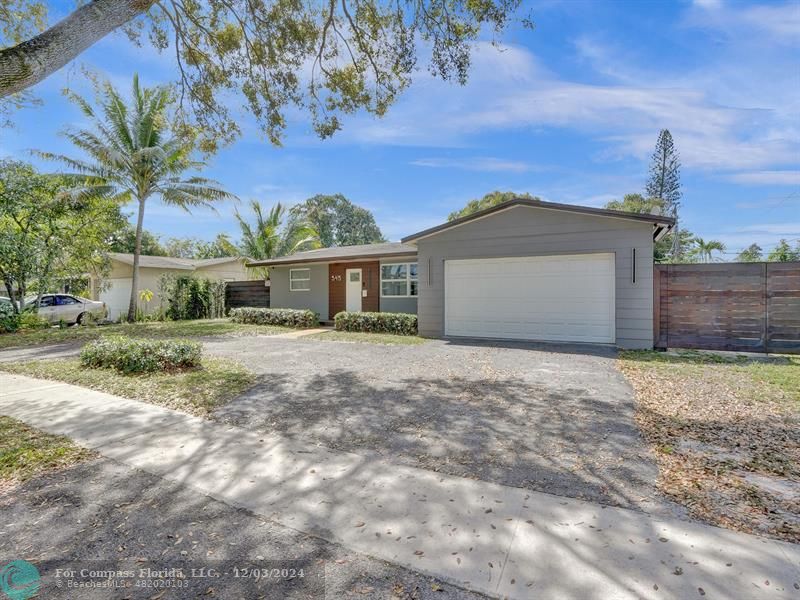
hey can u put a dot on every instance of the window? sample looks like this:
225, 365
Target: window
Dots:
399, 280
64, 300
299, 280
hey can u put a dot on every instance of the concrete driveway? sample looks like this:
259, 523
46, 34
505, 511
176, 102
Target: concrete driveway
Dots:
550, 418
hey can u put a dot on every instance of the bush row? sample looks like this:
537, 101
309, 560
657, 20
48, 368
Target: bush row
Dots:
141, 356
377, 322
288, 317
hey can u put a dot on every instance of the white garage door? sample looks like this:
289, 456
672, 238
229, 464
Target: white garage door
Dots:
558, 298
117, 297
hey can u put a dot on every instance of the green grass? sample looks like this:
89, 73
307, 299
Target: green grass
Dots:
26, 452
367, 338
203, 327
196, 391
782, 372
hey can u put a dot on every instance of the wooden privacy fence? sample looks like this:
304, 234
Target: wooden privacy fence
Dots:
750, 307
247, 293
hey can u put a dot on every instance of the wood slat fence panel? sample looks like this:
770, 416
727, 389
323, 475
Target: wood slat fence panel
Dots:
247, 293
751, 307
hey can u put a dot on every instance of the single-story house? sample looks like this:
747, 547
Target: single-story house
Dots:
115, 288
522, 270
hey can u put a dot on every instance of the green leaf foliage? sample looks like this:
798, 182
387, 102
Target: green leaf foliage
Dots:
52, 228
185, 297
274, 234
337, 221
783, 252
328, 58
129, 355
377, 322
287, 317
753, 253
132, 151
489, 200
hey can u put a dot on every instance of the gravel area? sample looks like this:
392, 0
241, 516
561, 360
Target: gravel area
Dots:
102, 515
557, 419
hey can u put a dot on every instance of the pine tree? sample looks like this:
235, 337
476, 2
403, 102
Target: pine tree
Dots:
665, 181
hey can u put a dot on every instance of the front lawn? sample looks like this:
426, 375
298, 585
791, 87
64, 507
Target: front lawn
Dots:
368, 338
195, 391
726, 435
201, 327
26, 452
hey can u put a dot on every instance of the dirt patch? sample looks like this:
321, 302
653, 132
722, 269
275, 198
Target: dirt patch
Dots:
104, 515
727, 440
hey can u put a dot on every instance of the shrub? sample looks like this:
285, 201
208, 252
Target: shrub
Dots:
288, 317
187, 297
9, 320
30, 320
141, 355
377, 322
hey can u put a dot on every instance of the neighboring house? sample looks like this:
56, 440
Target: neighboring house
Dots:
115, 288
523, 269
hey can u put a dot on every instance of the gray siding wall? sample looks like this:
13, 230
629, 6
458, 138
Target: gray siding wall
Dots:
398, 305
316, 299
524, 231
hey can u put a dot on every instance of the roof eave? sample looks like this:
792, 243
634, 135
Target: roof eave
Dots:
585, 210
277, 262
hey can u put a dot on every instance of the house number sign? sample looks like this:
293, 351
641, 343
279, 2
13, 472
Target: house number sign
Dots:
336, 277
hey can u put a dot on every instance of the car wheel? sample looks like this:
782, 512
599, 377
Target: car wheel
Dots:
81, 318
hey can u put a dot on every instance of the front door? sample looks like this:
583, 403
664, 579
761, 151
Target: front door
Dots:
353, 290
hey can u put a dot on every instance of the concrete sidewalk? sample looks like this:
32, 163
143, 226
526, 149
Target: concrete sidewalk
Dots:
499, 540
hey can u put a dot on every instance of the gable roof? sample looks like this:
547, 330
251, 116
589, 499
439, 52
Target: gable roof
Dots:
387, 249
661, 224
169, 262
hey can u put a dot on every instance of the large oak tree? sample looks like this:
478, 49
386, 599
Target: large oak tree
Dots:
331, 57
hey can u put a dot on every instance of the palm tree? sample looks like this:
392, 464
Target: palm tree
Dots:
704, 249
134, 153
270, 237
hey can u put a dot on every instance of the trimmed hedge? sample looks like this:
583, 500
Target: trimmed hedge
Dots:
141, 356
377, 322
288, 317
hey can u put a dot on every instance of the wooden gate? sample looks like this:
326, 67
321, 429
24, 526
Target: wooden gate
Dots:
745, 307
247, 293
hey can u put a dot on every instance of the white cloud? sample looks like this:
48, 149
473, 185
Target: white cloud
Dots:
782, 229
511, 90
768, 177
488, 164
771, 202
779, 20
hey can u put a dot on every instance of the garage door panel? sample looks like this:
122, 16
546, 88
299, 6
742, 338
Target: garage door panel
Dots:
559, 298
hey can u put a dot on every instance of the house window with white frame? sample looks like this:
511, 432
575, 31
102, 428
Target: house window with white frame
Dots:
399, 280
300, 280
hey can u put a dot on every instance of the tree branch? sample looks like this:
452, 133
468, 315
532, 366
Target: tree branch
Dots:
31, 61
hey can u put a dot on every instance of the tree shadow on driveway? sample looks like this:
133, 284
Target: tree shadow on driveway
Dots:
567, 439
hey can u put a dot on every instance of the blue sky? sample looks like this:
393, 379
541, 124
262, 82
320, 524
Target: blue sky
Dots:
569, 111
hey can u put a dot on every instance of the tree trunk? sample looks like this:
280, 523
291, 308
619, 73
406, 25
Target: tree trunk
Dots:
676, 238
10, 290
137, 249
31, 61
